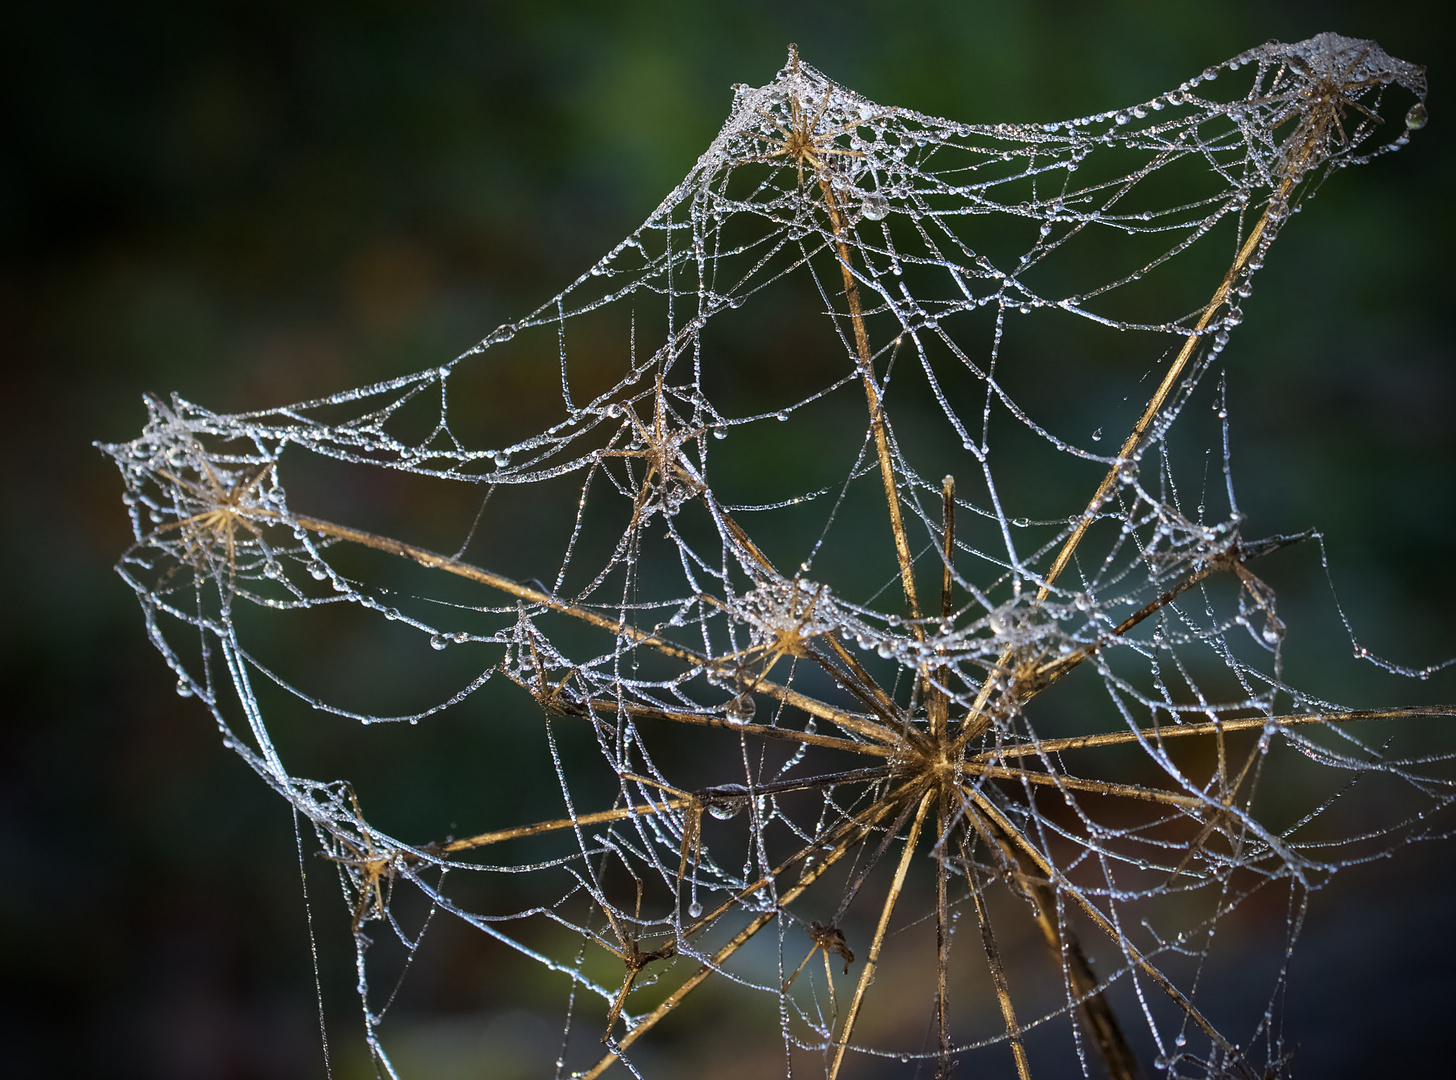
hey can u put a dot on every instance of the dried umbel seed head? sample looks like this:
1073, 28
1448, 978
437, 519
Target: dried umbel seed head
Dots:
1066, 726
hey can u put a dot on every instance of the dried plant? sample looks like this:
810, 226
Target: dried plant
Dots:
838, 719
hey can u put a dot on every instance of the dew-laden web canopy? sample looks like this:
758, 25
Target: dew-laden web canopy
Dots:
822, 679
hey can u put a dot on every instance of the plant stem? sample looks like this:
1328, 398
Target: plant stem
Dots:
840, 226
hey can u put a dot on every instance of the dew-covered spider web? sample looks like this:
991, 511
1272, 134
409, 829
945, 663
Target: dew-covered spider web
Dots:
887, 720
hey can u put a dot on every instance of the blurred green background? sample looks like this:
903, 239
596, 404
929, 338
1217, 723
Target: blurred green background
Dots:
257, 203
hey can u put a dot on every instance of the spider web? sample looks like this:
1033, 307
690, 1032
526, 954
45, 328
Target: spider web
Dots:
825, 681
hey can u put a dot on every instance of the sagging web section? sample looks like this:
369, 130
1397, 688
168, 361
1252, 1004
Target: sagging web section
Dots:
734, 519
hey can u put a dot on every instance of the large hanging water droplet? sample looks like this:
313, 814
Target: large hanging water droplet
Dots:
317, 570
740, 710
1097, 435
695, 909
184, 688
439, 642
1181, 1040
1416, 117
725, 810
876, 207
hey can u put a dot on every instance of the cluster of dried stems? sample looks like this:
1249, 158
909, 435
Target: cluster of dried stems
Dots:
927, 747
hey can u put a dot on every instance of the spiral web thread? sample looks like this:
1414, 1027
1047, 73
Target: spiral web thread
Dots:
830, 712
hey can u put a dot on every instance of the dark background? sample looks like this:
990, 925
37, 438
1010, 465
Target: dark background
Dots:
256, 203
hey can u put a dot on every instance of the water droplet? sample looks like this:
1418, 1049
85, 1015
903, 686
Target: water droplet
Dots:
184, 688
1021, 523
876, 207
781, 416
317, 570
740, 710
1273, 633
1416, 117
438, 642
1121, 118
1097, 435
614, 410
695, 909
720, 433
501, 459
1181, 1040
725, 810
273, 570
